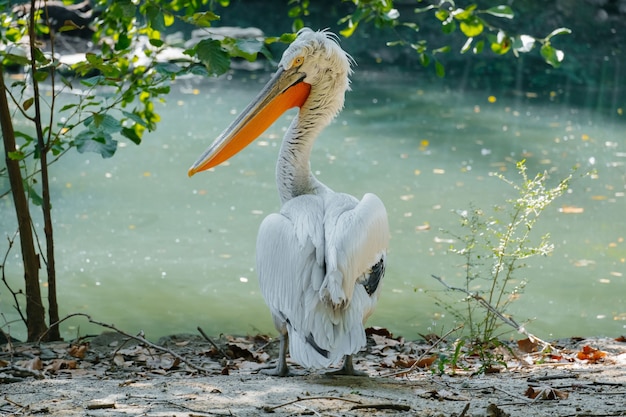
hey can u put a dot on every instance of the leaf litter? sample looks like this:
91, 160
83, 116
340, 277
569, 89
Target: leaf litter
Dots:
575, 377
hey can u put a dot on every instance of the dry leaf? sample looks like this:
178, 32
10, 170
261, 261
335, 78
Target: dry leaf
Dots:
380, 331
78, 351
120, 361
590, 354
527, 345
427, 362
545, 393
59, 364
35, 364
621, 339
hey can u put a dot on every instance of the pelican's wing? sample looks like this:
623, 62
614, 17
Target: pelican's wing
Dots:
357, 237
356, 241
319, 262
290, 266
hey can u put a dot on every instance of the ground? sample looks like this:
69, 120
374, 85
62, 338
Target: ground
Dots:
190, 375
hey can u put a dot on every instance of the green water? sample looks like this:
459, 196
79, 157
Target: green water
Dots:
142, 246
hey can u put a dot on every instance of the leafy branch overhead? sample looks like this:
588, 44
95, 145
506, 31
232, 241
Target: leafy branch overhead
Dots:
475, 25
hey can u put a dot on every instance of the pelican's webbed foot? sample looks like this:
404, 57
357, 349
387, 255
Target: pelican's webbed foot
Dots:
281, 368
348, 369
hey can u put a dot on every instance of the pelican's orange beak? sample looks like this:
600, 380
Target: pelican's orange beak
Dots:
285, 90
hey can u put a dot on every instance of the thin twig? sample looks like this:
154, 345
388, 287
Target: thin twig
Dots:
138, 338
423, 355
269, 409
383, 406
507, 320
4, 278
208, 339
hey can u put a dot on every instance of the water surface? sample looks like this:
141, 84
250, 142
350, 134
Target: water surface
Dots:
142, 246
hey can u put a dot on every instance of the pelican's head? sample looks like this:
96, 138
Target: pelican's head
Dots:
313, 74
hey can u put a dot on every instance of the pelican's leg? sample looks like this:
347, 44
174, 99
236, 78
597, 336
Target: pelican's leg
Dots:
348, 369
281, 368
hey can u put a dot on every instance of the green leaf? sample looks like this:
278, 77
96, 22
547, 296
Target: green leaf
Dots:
297, 24
349, 31
523, 43
104, 123
472, 26
13, 34
559, 31
439, 69
464, 14
155, 17
213, 56
203, 19
68, 106
478, 48
168, 68
132, 135
27, 103
40, 57
68, 26
248, 48
423, 9
41, 75
502, 44
27, 138
442, 15
92, 81
32, 193
501, 11
157, 43
135, 117
466, 47
552, 55
87, 141
15, 59
16, 155
448, 26
123, 42
294, 11
424, 59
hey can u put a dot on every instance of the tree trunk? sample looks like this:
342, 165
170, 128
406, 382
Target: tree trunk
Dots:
46, 207
35, 312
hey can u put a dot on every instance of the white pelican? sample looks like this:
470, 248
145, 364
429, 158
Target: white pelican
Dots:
320, 260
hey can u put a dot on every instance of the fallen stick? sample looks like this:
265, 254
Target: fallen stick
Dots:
138, 338
383, 406
208, 339
270, 409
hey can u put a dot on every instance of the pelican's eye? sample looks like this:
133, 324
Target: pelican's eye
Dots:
297, 61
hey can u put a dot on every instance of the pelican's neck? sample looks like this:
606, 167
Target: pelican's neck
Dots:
293, 169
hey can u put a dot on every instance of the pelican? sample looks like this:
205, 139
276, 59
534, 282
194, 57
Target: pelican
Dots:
321, 258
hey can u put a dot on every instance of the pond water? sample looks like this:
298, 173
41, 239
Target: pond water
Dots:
143, 246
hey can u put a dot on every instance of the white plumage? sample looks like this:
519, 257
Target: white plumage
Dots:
321, 258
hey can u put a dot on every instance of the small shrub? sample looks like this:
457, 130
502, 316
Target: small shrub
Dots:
494, 247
